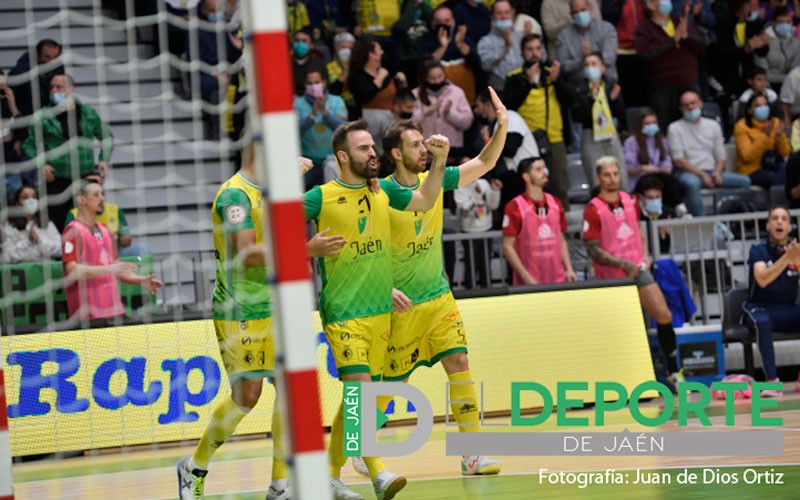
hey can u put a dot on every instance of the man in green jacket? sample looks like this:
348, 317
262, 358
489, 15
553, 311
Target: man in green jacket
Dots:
61, 144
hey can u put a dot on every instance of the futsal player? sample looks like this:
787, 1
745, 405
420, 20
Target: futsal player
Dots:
426, 323
356, 300
243, 325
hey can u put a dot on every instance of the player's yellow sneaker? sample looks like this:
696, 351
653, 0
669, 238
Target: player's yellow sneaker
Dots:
191, 482
478, 465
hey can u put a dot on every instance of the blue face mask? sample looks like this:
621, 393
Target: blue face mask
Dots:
591, 73
653, 207
651, 129
582, 19
503, 24
692, 115
665, 7
300, 49
783, 29
58, 98
753, 16
212, 18
761, 113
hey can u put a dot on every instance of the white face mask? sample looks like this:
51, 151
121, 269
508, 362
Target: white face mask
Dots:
30, 206
344, 54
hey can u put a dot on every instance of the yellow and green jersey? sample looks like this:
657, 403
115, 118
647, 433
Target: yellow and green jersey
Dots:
417, 266
358, 281
241, 293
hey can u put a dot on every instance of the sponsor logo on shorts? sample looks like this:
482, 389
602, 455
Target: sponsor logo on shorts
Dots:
344, 336
347, 353
391, 348
249, 358
451, 316
247, 341
363, 355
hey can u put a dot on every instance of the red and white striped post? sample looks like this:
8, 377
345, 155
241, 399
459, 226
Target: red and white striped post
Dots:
275, 122
6, 481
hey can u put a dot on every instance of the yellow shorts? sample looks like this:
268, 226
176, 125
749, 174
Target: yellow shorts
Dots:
359, 345
246, 347
424, 335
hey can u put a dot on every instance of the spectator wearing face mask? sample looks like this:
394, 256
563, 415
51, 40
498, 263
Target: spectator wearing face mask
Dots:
650, 193
305, 58
669, 45
319, 113
597, 105
24, 240
339, 69
455, 46
403, 104
441, 107
60, 161
556, 15
647, 155
784, 49
761, 145
582, 37
500, 49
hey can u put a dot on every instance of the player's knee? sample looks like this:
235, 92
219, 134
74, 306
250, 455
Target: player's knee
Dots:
456, 362
664, 316
247, 396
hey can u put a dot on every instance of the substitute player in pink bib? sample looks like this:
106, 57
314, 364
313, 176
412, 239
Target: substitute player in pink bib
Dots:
619, 234
533, 231
616, 246
91, 266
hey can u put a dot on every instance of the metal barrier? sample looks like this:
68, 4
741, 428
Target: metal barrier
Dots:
712, 252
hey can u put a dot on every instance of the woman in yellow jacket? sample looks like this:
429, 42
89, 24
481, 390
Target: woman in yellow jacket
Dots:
761, 144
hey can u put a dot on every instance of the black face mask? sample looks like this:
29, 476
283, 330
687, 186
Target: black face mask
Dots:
405, 115
438, 27
528, 64
436, 87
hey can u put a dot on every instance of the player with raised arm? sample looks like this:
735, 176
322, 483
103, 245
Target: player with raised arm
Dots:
356, 300
426, 323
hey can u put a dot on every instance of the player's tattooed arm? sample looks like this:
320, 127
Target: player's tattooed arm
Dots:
599, 255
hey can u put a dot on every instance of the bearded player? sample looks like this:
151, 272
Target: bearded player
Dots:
426, 323
355, 304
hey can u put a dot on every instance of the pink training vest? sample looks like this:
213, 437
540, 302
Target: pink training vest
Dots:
538, 243
96, 297
619, 236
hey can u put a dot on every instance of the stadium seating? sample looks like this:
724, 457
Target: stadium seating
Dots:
164, 176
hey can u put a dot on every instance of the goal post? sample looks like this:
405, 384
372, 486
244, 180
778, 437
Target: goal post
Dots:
276, 133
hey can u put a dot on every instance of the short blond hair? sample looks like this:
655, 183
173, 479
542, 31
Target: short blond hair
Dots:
605, 161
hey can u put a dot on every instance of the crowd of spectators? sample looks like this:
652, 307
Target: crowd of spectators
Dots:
570, 71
